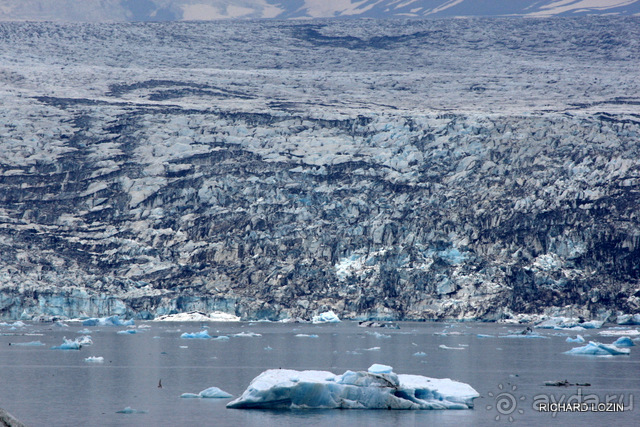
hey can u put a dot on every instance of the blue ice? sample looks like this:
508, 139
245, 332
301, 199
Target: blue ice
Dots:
196, 335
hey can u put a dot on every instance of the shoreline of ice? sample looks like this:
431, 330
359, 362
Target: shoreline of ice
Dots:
196, 316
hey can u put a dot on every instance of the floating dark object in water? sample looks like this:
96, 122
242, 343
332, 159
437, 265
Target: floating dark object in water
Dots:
527, 331
564, 383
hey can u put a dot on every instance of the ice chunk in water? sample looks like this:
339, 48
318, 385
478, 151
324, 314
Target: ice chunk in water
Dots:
247, 334
209, 393
623, 342
599, 349
214, 392
379, 388
326, 317
196, 335
94, 359
68, 345
190, 396
130, 410
380, 369
107, 321
577, 339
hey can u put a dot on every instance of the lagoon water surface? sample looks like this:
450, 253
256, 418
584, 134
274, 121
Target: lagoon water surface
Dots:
45, 387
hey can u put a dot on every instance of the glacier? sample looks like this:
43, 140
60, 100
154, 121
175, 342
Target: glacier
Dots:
377, 388
390, 170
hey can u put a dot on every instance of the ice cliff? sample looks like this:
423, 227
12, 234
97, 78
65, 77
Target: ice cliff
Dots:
426, 172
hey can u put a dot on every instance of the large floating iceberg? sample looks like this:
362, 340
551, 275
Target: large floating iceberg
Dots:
379, 388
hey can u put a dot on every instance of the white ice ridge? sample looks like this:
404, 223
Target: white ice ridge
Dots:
379, 388
196, 316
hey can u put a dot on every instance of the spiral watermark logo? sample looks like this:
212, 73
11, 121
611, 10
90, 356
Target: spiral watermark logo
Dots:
506, 403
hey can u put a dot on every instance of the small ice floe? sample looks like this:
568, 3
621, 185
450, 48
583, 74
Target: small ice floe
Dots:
68, 345
599, 349
569, 323
379, 335
247, 335
107, 321
268, 348
628, 319
371, 349
85, 340
94, 359
16, 324
221, 338
28, 344
130, 410
534, 336
623, 342
446, 333
203, 335
485, 336
353, 352
128, 332
619, 333
326, 317
377, 388
209, 393
578, 339
378, 368
420, 354
84, 331
446, 347
306, 335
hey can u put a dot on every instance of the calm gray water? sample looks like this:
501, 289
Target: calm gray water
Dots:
45, 387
